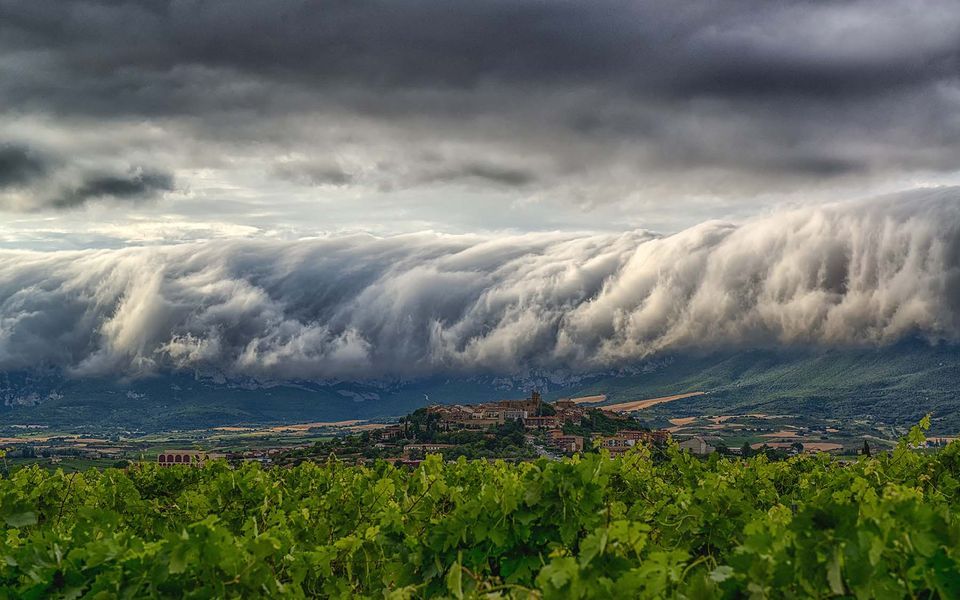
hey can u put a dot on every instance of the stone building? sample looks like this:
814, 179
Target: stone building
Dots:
186, 458
697, 445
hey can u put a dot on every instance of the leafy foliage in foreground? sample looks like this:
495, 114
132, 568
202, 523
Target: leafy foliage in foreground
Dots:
589, 527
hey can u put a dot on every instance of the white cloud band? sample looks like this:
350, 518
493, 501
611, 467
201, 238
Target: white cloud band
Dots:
359, 307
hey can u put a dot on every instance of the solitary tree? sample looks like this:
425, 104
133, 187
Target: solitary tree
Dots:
866, 449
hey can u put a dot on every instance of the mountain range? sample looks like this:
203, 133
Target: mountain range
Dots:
894, 384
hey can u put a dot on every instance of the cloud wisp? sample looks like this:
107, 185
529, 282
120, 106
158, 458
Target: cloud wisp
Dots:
136, 185
362, 307
32, 179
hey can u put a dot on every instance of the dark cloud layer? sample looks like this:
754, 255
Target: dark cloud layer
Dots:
596, 101
19, 165
737, 48
32, 179
365, 307
137, 185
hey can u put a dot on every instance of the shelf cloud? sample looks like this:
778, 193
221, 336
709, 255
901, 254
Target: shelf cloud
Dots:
363, 307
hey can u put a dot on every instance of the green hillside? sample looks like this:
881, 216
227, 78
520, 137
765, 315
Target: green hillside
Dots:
895, 385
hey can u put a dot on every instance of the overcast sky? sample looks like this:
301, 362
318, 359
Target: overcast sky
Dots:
127, 122
371, 188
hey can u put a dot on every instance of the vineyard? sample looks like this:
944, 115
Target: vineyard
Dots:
652, 524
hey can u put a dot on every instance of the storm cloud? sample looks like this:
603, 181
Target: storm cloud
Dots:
738, 48
658, 109
136, 185
19, 165
364, 307
33, 180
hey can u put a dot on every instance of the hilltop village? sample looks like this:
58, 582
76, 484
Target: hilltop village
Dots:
505, 429
512, 430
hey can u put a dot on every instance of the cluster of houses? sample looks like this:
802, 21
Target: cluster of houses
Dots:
624, 440
567, 443
200, 458
530, 411
536, 416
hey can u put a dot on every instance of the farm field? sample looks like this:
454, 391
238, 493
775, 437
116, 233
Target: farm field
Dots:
784, 432
589, 399
70, 451
642, 404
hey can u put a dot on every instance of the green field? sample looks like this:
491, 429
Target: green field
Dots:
652, 524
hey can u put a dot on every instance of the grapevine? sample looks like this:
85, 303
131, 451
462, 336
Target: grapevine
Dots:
644, 525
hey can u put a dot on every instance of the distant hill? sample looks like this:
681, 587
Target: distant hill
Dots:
895, 385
